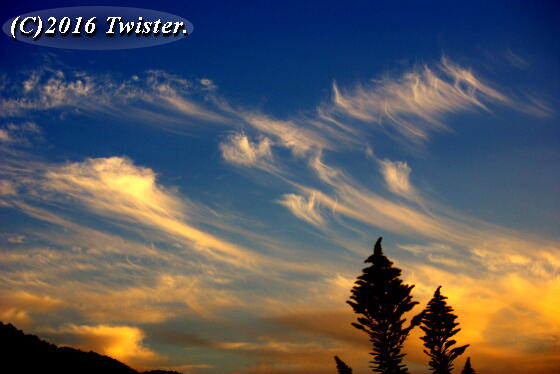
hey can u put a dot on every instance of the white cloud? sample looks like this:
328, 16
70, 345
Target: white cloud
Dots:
240, 150
396, 175
499, 248
326, 173
416, 103
208, 83
115, 187
31, 82
299, 138
146, 97
305, 208
113, 183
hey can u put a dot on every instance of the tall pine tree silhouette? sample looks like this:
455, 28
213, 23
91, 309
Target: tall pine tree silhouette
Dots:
381, 299
468, 369
342, 367
439, 326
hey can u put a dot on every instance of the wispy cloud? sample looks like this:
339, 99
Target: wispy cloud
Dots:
188, 270
396, 175
143, 97
240, 150
18, 306
19, 133
416, 103
116, 187
497, 247
300, 139
408, 106
516, 60
305, 208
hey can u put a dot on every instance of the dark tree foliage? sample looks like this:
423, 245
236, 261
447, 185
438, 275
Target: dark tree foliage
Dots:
381, 299
468, 369
342, 367
439, 326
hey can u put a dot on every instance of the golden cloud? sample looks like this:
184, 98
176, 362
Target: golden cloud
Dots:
124, 343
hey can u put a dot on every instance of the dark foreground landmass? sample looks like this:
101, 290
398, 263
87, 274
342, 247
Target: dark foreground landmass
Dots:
27, 354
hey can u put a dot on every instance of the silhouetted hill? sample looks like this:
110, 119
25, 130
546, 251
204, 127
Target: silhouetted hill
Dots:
27, 354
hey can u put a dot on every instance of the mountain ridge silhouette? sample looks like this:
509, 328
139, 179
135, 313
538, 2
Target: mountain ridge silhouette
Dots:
26, 353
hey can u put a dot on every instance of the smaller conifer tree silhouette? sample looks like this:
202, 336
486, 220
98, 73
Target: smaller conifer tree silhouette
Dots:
381, 299
342, 367
439, 326
468, 369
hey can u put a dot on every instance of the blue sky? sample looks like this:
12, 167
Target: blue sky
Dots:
205, 205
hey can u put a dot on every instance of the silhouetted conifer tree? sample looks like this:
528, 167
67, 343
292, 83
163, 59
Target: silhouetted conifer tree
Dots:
439, 326
468, 369
342, 367
382, 299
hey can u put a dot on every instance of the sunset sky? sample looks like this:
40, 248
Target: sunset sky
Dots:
206, 205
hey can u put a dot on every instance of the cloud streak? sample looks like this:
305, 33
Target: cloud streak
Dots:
396, 175
116, 187
238, 149
304, 208
143, 97
416, 103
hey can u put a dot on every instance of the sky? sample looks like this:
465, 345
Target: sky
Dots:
206, 205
